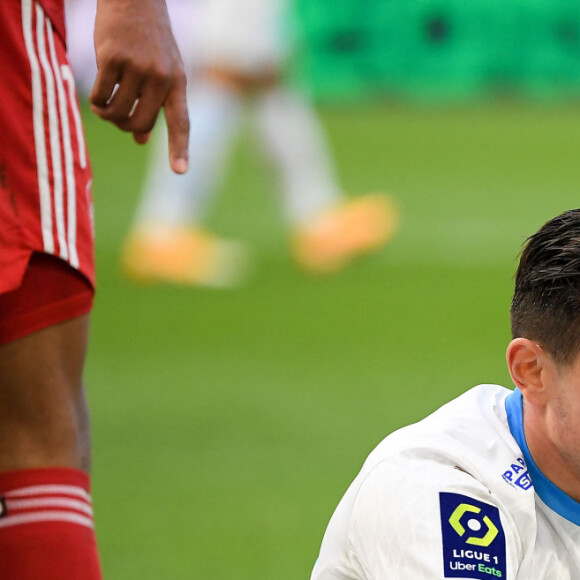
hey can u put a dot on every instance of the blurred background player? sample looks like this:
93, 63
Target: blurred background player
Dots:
242, 47
47, 263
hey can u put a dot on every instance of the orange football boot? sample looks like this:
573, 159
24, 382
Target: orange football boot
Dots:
330, 241
182, 255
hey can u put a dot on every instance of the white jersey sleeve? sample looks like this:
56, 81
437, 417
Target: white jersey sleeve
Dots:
420, 518
442, 508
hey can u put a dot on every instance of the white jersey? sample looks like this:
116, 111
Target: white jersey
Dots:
456, 495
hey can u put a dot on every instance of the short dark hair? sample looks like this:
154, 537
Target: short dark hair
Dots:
546, 303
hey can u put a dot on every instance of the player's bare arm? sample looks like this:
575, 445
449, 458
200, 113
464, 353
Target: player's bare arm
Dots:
136, 53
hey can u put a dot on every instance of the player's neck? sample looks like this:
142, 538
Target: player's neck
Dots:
549, 459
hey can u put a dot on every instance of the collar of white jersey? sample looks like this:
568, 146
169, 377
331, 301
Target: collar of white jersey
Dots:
549, 493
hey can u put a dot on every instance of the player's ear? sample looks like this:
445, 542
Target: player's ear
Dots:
529, 364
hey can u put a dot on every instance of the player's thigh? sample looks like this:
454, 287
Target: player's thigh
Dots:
43, 415
44, 326
43, 370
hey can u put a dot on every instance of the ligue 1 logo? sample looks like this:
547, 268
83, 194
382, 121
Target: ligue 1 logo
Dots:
474, 525
473, 538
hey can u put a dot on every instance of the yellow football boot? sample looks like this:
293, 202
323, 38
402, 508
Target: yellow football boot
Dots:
357, 227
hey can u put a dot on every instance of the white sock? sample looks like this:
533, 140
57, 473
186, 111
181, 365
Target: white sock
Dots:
174, 199
293, 135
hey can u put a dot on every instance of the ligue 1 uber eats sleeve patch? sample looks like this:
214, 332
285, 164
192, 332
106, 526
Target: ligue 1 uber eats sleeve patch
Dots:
473, 538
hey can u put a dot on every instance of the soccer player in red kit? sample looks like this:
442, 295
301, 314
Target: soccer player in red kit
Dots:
47, 265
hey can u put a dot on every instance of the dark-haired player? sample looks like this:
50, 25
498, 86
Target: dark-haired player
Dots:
488, 486
46, 261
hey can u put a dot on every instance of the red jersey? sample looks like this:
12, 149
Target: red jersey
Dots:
45, 177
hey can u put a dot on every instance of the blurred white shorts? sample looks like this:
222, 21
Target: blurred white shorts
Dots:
247, 36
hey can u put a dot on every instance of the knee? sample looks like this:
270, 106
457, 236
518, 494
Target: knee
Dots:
44, 427
43, 413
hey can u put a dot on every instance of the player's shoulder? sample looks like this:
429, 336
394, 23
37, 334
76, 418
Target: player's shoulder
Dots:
465, 444
461, 455
484, 402
468, 427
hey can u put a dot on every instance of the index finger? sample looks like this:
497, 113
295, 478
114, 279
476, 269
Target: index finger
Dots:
177, 120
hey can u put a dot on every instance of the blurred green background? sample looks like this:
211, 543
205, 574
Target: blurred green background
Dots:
228, 424
445, 50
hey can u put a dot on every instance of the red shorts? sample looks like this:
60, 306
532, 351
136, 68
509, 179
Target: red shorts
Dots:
45, 176
51, 292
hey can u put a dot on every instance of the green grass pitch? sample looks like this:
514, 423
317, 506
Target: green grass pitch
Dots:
227, 425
